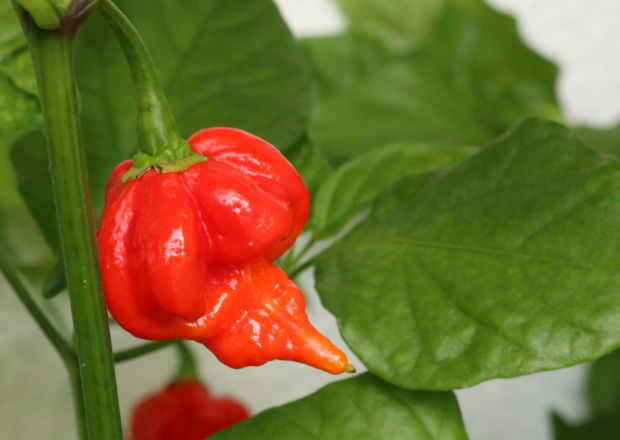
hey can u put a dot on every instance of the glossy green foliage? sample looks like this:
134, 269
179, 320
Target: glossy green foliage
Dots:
360, 408
499, 266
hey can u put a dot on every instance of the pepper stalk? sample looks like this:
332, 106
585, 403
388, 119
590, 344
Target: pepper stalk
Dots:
159, 143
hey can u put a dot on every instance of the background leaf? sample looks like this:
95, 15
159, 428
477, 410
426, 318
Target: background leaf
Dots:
230, 63
604, 384
399, 25
354, 186
311, 164
19, 107
599, 428
500, 266
604, 139
360, 408
30, 160
467, 82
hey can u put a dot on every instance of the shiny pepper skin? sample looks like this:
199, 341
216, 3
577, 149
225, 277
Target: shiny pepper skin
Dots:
184, 411
188, 255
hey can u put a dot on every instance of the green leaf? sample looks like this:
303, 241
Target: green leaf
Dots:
598, 428
604, 384
30, 161
605, 139
398, 24
232, 63
311, 163
503, 265
360, 408
55, 281
468, 82
19, 108
11, 36
354, 186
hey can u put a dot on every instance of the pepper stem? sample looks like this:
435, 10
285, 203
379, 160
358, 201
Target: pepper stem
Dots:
159, 143
187, 369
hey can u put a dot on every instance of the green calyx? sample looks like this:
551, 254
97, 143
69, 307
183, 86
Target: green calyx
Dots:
165, 162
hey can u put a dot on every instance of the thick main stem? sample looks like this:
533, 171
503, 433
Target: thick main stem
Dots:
52, 58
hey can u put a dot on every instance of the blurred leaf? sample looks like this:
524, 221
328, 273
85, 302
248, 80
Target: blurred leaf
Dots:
19, 108
468, 82
230, 63
19, 112
599, 428
55, 282
500, 266
29, 158
354, 186
604, 384
605, 140
398, 24
311, 164
360, 408
11, 36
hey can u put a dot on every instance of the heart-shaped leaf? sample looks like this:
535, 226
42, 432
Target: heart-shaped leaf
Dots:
503, 265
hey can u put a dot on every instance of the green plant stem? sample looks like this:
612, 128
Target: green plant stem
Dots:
159, 142
140, 350
52, 58
292, 274
187, 369
62, 346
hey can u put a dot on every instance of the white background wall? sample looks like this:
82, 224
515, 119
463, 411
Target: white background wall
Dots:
582, 36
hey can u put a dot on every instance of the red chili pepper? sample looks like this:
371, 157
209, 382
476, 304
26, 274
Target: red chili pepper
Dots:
187, 255
184, 411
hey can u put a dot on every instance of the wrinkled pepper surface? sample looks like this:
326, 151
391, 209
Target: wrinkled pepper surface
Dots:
188, 255
184, 411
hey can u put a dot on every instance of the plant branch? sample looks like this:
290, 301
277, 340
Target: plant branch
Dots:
140, 350
60, 344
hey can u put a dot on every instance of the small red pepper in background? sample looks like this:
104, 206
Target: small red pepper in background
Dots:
184, 411
188, 255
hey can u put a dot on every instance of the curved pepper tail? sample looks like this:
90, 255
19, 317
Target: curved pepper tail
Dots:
271, 324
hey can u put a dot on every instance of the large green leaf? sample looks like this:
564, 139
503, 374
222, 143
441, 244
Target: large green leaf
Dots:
354, 186
468, 82
230, 63
360, 408
503, 265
